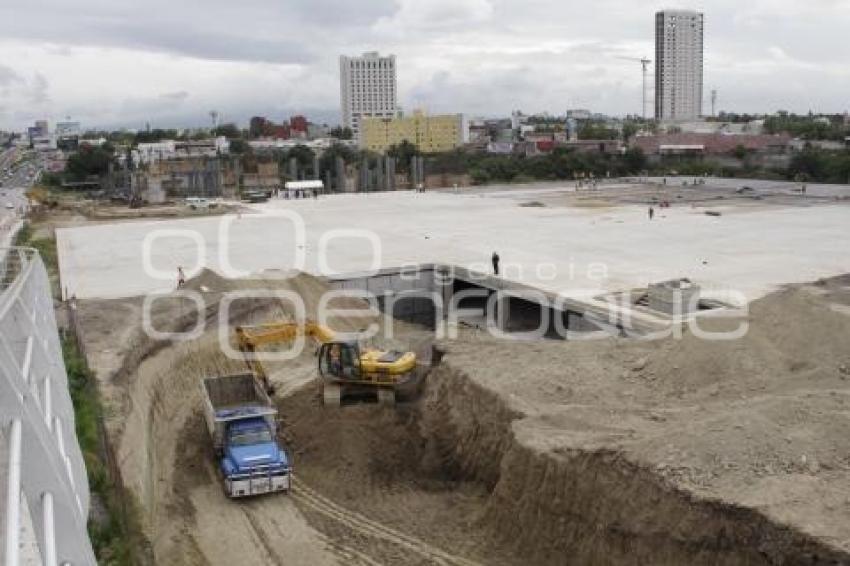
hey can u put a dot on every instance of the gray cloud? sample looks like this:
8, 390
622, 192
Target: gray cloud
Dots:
38, 90
474, 56
8, 76
178, 97
225, 31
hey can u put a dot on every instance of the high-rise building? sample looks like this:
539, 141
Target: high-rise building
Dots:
678, 64
367, 89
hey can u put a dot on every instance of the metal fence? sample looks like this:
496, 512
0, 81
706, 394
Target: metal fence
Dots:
44, 462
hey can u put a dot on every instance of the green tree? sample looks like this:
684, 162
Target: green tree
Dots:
634, 160
240, 146
304, 158
230, 131
155, 135
597, 131
403, 153
327, 162
740, 152
629, 130
88, 161
342, 133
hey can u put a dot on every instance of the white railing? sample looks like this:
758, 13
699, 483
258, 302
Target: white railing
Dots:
44, 462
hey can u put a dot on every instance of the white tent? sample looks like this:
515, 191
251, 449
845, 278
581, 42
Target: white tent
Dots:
306, 187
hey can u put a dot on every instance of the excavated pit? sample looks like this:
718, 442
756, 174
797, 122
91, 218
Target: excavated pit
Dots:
472, 472
582, 507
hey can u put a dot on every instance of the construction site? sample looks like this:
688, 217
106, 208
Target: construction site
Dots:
648, 371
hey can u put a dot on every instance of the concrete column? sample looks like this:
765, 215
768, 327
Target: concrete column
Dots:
503, 312
13, 495
500, 303
48, 545
447, 289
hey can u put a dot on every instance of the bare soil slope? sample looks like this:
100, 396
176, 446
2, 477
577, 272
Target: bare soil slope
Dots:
671, 451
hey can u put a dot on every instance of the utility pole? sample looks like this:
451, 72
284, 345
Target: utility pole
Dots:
713, 103
644, 63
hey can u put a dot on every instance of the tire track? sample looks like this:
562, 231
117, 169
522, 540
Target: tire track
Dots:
337, 548
263, 536
359, 523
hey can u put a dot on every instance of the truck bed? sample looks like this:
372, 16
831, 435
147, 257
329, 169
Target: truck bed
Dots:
230, 392
234, 397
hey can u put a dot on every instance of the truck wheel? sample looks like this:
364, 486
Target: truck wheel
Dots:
386, 396
331, 394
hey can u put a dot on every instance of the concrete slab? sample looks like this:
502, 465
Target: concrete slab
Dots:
579, 252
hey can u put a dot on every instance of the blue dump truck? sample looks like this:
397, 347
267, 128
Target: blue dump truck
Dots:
242, 422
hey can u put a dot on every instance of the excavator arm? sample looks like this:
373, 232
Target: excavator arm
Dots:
276, 332
250, 337
373, 364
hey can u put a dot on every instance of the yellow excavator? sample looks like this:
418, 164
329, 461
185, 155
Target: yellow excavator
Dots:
343, 365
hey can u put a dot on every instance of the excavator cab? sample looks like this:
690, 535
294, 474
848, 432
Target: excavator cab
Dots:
339, 361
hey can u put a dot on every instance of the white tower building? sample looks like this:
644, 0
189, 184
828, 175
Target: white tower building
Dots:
678, 67
368, 88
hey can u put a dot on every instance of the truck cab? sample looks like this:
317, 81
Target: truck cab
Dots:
242, 422
252, 462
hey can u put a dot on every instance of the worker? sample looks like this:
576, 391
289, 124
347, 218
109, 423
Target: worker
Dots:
651, 212
495, 259
336, 361
181, 277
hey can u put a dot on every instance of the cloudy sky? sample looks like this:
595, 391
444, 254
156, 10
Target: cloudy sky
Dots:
169, 62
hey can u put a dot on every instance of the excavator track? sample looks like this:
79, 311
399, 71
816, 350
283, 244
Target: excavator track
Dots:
331, 394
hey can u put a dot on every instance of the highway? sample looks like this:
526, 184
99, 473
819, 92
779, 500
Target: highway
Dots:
15, 182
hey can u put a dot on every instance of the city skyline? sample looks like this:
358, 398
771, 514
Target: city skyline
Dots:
105, 66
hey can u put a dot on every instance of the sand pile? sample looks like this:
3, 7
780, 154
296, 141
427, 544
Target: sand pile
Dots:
670, 452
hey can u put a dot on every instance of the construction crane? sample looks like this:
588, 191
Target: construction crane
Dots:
644, 63
342, 364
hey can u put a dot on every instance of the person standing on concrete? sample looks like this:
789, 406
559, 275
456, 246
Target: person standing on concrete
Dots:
495, 259
181, 277
651, 212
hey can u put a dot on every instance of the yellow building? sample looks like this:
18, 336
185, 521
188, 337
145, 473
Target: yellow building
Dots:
431, 134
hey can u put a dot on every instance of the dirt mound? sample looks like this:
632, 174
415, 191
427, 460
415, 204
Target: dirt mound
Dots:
673, 451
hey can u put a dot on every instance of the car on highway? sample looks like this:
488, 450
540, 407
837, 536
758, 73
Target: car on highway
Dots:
10, 206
